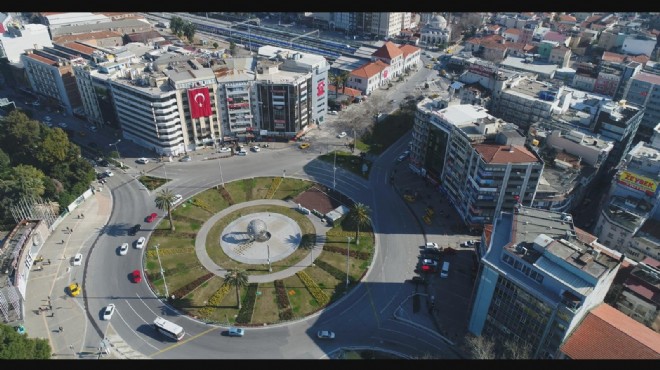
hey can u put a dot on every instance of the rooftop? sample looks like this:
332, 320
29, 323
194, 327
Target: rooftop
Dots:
545, 70
501, 154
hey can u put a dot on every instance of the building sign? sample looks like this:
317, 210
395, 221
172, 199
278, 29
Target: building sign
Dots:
200, 102
385, 73
320, 88
481, 70
638, 182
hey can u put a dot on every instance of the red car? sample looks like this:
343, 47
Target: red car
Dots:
152, 217
135, 275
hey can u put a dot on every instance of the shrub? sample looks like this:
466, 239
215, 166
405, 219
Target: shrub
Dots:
313, 288
214, 301
245, 314
186, 289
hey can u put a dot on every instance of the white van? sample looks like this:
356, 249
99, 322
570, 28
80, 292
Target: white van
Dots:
445, 270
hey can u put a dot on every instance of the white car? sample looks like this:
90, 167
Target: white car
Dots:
63, 124
255, 148
341, 135
123, 250
47, 119
177, 199
77, 259
332, 112
432, 245
224, 149
109, 173
140, 242
109, 310
142, 160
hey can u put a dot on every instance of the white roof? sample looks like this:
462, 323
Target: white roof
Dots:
65, 19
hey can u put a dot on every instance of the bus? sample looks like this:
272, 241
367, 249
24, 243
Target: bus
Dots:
169, 328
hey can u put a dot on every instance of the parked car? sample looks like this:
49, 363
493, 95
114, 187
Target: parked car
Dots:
77, 259
235, 332
432, 245
152, 217
123, 249
255, 148
139, 244
108, 311
332, 112
185, 159
341, 135
109, 173
303, 145
136, 276
325, 334
142, 160
224, 149
63, 124
403, 156
241, 152
177, 199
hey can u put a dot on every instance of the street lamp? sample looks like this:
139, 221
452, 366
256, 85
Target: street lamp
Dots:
270, 269
117, 150
221, 178
348, 253
334, 171
162, 273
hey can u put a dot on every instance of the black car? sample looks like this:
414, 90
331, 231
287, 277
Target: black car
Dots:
133, 230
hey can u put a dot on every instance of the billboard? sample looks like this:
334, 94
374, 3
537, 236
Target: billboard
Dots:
638, 182
200, 102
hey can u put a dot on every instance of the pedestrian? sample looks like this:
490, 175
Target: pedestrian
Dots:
49, 264
83, 215
62, 241
50, 308
61, 329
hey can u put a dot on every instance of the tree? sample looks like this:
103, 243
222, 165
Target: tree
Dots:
517, 351
54, 148
164, 201
17, 346
307, 242
189, 29
236, 279
334, 79
343, 78
480, 347
232, 48
359, 216
176, 25
215, 45
29, 181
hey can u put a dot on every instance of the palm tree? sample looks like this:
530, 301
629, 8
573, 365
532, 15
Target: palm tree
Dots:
359, 215
164, 200
334, 80
307, 243
343, 77
236, 279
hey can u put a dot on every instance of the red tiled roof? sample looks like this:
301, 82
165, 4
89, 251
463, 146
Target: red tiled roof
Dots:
370, 69
79, 47
647, 77
346, 91
642, 59
613, 57
593, 18
494, 27
643, 289
554, 36
408, 49
606, 333
141, 36
567, 18
650, 260
86, 36
584, 236
494, 45
389, 50
513, 31
42, 59
501, 154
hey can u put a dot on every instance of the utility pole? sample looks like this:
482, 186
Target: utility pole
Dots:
348, 254
162, 272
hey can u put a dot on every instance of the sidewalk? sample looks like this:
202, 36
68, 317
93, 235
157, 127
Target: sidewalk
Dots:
63, 320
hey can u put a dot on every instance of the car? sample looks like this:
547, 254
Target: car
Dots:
109, 173
432, 245
177, 199
136, 276
341, 135
303, 145
403, 156
235, 332
36, 103
47, 119
241, 152
108, 311
123, 249
431, 253
77, 259
93, 128
63, 124
185, 159
139, 244
151, 217
75, 289
224, 149
134, 229
255, 148
429, 265
332, 112
142, 160
325, 334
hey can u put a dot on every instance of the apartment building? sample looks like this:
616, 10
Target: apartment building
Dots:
480, 162
643, 90
640, 296
633, 198
537, 280
618, 121
16, 38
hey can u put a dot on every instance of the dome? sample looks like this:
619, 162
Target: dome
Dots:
438, 21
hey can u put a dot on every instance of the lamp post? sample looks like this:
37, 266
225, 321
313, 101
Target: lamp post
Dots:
270, 269
162, 273
348, 254
222, 180
334, 171
117, 150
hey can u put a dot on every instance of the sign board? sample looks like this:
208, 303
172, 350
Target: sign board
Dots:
638, 182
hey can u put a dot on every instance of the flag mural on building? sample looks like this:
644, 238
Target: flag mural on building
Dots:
200, 102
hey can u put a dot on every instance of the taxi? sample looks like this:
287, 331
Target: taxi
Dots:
74, 289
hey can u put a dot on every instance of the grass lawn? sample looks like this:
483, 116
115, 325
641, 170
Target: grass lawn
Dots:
151, 183
181, 266
347, 161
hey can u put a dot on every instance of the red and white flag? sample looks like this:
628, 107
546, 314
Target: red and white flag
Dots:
200, 102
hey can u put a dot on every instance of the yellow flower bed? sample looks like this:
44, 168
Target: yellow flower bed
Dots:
215, 300
168, 252
313, 288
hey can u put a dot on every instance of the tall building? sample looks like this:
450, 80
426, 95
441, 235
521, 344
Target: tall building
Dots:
537, 280
16, 38
643, 90
479, 161
640, 296
618, 121
633, 198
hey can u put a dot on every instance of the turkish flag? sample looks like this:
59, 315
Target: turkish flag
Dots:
200, 102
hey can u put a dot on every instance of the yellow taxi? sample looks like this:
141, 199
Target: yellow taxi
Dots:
74, 289
304, 145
